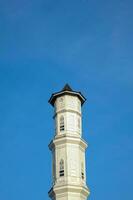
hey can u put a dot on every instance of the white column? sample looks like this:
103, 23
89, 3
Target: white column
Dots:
68, 151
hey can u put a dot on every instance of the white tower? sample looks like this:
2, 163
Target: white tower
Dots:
68, 147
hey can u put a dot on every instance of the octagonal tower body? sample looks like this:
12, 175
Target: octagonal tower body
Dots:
68, 147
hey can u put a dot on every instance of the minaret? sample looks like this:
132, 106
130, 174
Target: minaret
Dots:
68, 147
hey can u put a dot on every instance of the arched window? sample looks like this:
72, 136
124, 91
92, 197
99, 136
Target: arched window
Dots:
61, 172
82, 170
56, 124
53, 167
61, 102
62, 126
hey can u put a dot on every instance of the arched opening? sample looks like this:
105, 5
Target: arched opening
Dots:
82, 171
61, 172
62, 125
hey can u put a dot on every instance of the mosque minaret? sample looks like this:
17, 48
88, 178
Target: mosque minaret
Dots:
68, 147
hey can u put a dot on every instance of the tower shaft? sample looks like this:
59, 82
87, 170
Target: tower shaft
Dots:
68, 148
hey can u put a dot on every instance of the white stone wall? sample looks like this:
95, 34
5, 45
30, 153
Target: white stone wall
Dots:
67, 102
73, 156
70, 108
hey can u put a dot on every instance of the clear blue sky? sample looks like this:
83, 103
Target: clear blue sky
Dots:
43, 45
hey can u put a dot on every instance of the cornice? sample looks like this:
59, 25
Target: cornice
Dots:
69, 188
67, 140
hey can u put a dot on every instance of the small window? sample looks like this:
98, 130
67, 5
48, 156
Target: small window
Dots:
62, 127
61, 100
56, 124
53, 170
61, 172
82, 174
82, 171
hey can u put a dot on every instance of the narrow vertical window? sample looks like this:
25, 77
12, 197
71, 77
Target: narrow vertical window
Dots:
61, 172
82, 171
61, 102
62, 126
56, 124
53, 171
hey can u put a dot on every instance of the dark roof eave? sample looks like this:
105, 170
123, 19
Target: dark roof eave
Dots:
73, 93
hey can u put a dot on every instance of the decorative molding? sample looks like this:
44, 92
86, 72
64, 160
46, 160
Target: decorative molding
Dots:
67, 110
65, 140
69, 188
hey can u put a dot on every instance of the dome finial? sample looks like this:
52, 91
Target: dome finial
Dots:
66, 88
